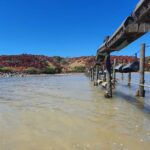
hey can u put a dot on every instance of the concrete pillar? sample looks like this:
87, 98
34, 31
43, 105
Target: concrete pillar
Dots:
142, 71
108, 77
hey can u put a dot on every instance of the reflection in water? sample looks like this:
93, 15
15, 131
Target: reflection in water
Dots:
65, 112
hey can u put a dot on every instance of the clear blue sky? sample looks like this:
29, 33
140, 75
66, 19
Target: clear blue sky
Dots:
61, 27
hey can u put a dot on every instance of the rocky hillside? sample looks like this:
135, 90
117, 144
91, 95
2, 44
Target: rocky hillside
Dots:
44, 64
27, 63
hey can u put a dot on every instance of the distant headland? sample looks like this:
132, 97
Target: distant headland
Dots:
40, 64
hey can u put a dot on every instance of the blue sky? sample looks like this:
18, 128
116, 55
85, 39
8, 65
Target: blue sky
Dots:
62, 27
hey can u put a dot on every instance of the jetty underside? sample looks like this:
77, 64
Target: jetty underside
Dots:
134, 26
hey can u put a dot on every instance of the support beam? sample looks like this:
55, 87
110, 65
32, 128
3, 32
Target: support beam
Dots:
108, 77
138, 28
142, 71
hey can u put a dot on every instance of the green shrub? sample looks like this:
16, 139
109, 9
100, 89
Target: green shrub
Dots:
5, 70
32, 71
49, 70
64, 62
58, 59
79, 69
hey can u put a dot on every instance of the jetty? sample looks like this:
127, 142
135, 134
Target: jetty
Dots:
133, 27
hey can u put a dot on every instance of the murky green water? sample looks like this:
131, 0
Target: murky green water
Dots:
65, 112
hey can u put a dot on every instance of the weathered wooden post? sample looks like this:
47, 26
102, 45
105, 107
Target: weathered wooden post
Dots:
104, 74
92, 73
103, 69
108, 77
97, 72
96, 75
142, 71
129, 79
122, 77
114, 72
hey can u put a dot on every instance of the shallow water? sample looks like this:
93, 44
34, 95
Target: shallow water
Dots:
66, 112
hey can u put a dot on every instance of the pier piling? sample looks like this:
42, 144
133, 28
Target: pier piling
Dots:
122, 75
96, 75
108, 76
129, 79
92, 73
114, 72
97, 72
142, 71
